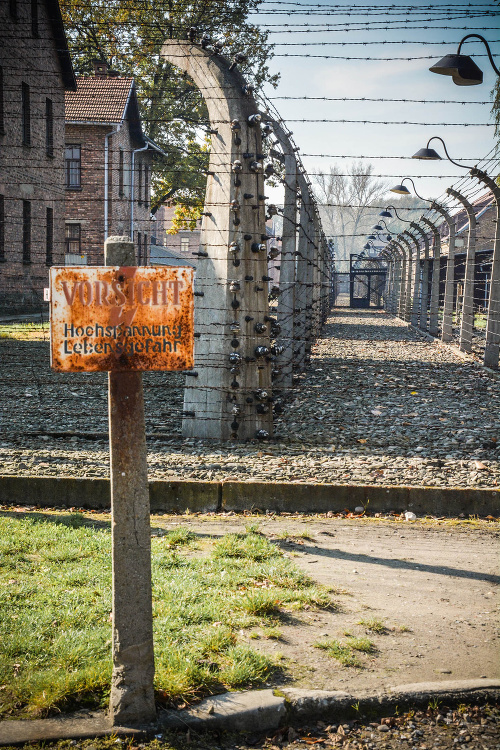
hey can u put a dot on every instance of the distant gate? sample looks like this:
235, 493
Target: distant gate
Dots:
367, 281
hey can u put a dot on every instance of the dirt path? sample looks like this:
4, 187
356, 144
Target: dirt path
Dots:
435, 587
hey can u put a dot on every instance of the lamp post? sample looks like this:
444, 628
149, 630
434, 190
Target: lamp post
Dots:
467, 322
462, 68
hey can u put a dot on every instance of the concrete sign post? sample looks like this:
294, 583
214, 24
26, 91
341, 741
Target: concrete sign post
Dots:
125, 319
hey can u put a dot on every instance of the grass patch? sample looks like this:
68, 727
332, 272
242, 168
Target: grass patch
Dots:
374, 626
273, 633
296, 536
342, 652
25, 331
55, 605
180, 537
361, 644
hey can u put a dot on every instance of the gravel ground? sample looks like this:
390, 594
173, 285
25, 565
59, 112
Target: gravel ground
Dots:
380, 404
475, 727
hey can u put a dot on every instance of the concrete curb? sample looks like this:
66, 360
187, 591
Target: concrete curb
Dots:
180, 496
255, 711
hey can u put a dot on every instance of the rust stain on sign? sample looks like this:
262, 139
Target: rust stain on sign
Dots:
119, 319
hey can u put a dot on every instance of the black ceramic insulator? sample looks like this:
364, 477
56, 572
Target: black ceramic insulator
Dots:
234, 425
199, 294
235, 343
248, 278
235, 304
248, 318
247, 236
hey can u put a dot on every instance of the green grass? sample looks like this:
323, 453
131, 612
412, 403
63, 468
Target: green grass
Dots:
361, 644
342, 652
374, 625
55, 606
25, 331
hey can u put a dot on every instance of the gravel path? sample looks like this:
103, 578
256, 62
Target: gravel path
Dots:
380, 404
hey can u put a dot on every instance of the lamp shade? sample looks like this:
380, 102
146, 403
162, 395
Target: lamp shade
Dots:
378, 227
461, 68
426, 153
400, 190
367, 246
386, 213
371, 237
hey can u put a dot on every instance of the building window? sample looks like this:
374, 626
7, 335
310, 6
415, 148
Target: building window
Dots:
139, 183
34, 18
13, 9
2, 123
146, 185
120, 173
26, 232
73, 157
139, 249
26, 114
2, 229
185, 244
73, 239
49, 128
49, 237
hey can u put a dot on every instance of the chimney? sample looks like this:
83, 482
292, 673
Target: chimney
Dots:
100, 68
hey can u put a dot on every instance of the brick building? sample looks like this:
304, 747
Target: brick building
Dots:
35, 70
184, 242
108, 163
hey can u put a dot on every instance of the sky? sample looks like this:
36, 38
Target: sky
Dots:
383, 79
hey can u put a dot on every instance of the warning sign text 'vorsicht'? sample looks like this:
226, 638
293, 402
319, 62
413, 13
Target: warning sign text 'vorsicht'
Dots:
112, 318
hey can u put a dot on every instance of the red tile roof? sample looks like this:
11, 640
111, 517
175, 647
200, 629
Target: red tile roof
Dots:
98, 99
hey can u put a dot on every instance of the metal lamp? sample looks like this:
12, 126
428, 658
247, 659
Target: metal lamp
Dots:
429, 154
462, 68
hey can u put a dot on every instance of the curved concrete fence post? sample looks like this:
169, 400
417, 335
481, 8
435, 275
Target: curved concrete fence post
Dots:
231, 356
402, 280
492, 345
288, 261
309, 280
424, 302
386, 253
449, 286
398, 274
289, 297
436, 267
415, 308
467, 322
409, 279
300, 318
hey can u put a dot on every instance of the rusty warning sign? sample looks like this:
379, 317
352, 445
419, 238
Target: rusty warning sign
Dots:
118, 319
